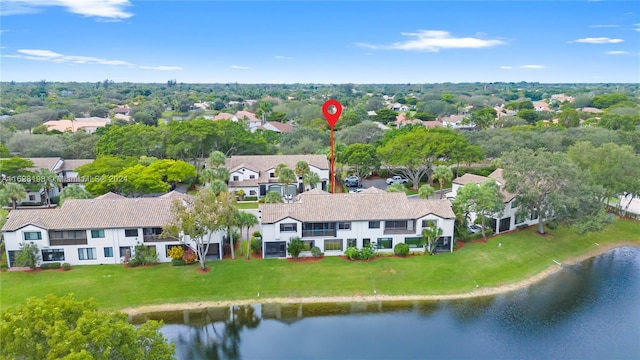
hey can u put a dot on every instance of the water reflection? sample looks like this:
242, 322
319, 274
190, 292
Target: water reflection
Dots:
585, 311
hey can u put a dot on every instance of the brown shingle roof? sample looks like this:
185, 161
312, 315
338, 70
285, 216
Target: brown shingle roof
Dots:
497, 174
470, 178
96, 214
354, 207
263, 163
48, 163
72, 164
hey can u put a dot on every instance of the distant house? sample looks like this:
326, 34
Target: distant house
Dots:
122, 110
89, 125
510, 217
560, 98
398, 107
454, 121
334, 222
224, 116
97, 231
255, 174
276, 126
541, 106
68, 173
591, 110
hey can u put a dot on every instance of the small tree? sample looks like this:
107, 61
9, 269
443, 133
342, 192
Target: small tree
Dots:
13, 192
272, 197
484, 200
311, 179
397, 187
28, 255
295, 247
73, 192
430, 236
247, 220
442, 174
49, 180
425, 191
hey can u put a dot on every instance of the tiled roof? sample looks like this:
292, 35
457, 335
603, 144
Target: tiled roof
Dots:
72, 164
363, 206
110, 195
281, 127
48, 163
96, 214
222, 116
241, 115
263, 163
497, 174
470, 178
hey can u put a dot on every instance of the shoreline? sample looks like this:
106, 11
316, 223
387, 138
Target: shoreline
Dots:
481, 292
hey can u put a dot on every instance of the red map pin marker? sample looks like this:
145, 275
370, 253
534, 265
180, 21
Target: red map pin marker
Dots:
332, 119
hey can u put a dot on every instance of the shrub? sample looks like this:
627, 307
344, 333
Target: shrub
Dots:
416, 252
256, 245
178, 262
66, 266
315, 251
53, 265
256, 234
352, 253
368, 252
176, 252
522, 226
143, 256
552, 224
401, 249
295, 247
250, 198
190, 256
134, 262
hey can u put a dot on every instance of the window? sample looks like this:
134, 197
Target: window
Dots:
444, 242
308, 244
374, 224
152, 231
333, 245
32, 235
125, 251
520, 217
514, 203
318, 229
413, 242
429, 223
87, 253
352, 242
130, 232
272, 174
108, 252
252, 177
236, 178
289, 227
52, 254
32, 198
385, 243
344, 226
366, 242
97, 234
252, 192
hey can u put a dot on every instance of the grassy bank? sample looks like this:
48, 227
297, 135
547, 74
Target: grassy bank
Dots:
522, 254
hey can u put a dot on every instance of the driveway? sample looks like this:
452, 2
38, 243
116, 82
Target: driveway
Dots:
375, 182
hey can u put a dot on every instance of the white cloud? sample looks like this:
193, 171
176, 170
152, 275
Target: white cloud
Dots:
52, 56
604, 26
434, 40
112, 9
239, 67
637, 27
616, 52
505, 67
532, 66
282, 57
597, 40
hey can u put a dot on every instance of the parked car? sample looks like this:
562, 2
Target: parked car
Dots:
397, 180
355, 191
474, 229
352, 181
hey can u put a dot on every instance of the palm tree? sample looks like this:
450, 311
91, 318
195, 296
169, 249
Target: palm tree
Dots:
216, 159
207, 176
49, 179
311, 178
272, 197
397, 187
217, 186
426, 191
442, 174
14, 192
73, 192
286, 176
302, 168
247, 219
429, 237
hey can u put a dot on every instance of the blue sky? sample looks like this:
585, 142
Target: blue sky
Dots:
320, 41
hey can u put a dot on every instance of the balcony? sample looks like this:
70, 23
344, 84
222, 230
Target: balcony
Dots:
158, 238
315, 233
392, 227
394, 231
67, 237
75, 241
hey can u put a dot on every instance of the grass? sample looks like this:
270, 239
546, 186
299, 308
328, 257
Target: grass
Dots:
521, 255
247, 205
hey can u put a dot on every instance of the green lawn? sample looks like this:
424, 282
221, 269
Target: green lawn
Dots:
247, 205
521, 255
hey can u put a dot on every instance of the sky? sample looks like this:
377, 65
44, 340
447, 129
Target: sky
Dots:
335, 42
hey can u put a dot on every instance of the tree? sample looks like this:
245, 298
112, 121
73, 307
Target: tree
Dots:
247, 219
361, 158
397, 187
12, 192
217, 186
73, 192
568, 117
385, 115
302, 168
442, 174
199, 218
425, 191
48, 179
545, 184
216, 159
53, 327
484, 200
484, 118
285, 176
272, 197
531, 116
311, 179
430, 236
295, 247
29, 255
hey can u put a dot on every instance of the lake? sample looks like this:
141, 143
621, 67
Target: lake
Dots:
590, 310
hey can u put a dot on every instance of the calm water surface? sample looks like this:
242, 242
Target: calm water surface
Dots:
586, 311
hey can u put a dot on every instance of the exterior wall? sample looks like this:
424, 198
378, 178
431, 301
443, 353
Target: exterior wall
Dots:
243, 174
113, 238
359, 231
247, 190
